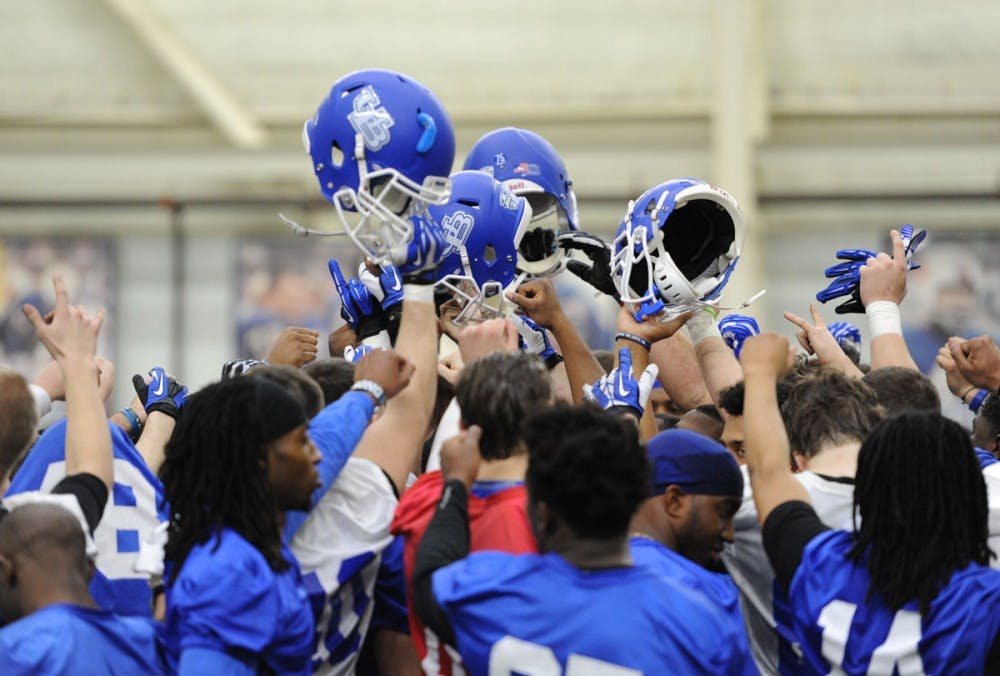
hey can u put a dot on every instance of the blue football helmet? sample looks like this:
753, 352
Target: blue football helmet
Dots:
483, 225
676, 248
528, 165
381, 146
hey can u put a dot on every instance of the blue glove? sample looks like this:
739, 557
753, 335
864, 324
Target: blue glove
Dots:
620, 388
535, 339
357, 305
845, 333
354, 354
847, 277
418, 262
735, 330
162, 393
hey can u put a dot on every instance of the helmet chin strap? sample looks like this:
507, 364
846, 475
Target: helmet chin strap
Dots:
306, 232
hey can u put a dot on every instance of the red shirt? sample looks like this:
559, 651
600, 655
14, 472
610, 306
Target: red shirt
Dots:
498, 522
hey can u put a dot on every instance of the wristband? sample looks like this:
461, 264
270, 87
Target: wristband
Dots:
418, 293
553, 360
638, 340
134, 423
977, 401
702, 325
371, 388
883, 318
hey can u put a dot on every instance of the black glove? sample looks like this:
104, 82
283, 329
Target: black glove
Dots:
598, 273
162, 393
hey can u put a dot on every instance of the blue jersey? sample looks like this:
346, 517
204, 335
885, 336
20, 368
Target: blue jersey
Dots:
69, 639
539, 614
717, 588
226, 598
127, 525
840, 631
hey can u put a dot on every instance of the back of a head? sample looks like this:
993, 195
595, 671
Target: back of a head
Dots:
606, 358
922, 504
19, 420
986, 426
50, 541
587, 467
901, 389
497, 392
335, 376
295, 382
828, 407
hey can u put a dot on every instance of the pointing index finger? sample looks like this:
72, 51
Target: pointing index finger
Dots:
898, 250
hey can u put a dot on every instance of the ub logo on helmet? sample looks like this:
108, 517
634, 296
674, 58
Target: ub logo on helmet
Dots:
382, 147
370, 119
456, 227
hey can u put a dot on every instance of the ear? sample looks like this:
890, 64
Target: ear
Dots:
675, 501
801, 462
8, 571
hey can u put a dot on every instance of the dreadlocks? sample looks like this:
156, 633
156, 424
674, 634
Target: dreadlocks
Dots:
922, 502
215, 474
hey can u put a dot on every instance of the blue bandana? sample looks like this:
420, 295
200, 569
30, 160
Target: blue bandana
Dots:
695, 463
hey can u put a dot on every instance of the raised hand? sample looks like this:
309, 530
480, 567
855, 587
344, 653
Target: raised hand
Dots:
735, 330
620, 388
460, 456
535, 340
539, 301
160, 393
650, 329
70, 334
478, 340
294, 346
768, 354
386, 368
978, 360
358, 307
598, 273
354, 354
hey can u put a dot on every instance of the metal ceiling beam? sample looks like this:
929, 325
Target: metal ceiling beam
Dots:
158, 34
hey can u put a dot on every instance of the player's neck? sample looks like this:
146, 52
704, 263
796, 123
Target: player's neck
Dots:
508, 469
836, 460
594, 554
45, 593
643, 527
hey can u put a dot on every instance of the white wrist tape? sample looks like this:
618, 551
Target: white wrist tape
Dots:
702, 325
883, 318
418, 293
379, 341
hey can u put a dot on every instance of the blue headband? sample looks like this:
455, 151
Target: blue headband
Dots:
693, 462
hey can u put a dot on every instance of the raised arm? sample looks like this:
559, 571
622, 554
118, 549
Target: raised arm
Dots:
71, 338
815, 338
539, 301
637, 338
719, 368
764, 359
395, 440
883, 287
680, 373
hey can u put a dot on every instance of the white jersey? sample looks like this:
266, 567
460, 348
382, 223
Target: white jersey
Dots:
339, 549
750, 569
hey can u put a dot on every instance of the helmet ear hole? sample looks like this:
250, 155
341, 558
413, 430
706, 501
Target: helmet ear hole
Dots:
697, 234
490, 254
336, 155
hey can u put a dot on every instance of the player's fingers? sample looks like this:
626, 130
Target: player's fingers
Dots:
62, 296
817, 317
33, 316
803, 338
798, 321
898, 250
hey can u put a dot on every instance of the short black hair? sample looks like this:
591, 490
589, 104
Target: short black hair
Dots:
606, 358
335, 376
295, 382
587, 467
901, 389
711, 411
731, 399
